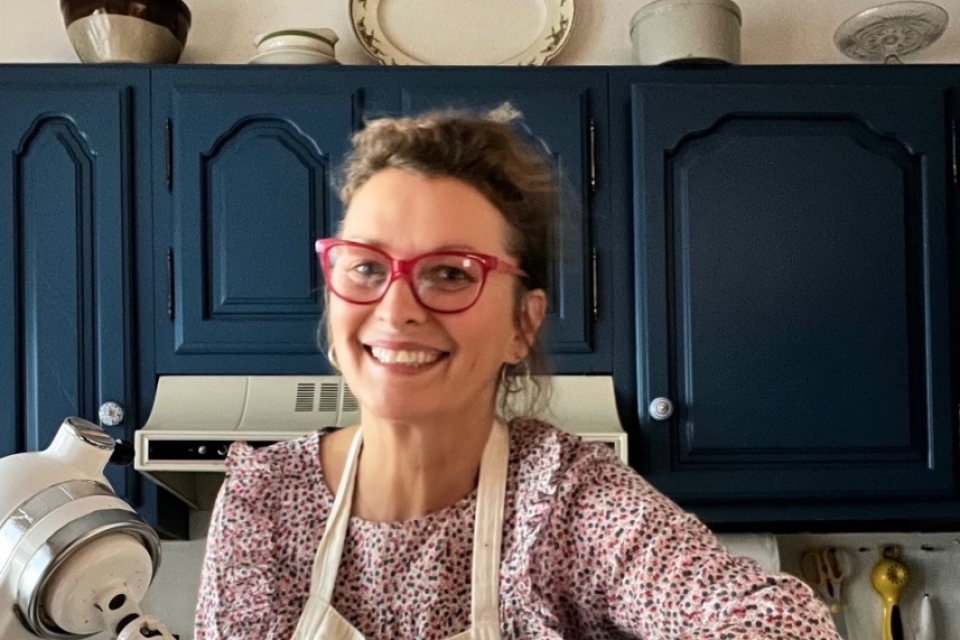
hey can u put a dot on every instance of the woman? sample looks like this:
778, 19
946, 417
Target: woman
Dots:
434, 518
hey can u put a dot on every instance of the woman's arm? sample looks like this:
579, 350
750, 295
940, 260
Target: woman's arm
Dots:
679, 583
655, 572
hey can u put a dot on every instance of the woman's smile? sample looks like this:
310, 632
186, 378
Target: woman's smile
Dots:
404, 357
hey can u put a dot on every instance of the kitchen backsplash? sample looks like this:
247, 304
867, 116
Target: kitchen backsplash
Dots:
933, 560
223, 31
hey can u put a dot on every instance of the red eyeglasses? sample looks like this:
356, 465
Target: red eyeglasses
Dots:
442, 281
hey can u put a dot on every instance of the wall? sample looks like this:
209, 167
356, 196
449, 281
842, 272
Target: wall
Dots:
934, 563
774, 31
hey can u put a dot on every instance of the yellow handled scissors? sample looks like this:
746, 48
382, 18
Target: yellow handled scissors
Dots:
826, 569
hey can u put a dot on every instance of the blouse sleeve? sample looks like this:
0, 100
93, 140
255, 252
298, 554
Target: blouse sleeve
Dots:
236, 584
655, 572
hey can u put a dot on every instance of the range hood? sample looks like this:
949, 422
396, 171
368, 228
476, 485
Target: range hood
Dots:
196, 418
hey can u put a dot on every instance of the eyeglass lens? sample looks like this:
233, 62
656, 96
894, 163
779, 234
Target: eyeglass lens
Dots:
446, 282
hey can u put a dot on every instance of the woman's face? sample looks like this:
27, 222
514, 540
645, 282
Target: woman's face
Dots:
403, 361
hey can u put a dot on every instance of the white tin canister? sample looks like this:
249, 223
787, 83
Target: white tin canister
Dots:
686, 31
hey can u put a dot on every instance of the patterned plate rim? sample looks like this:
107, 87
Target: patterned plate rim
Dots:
364, 17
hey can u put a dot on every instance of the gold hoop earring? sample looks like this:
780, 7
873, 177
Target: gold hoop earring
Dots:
332, 357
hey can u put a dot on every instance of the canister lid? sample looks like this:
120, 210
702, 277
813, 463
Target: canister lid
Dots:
663, 6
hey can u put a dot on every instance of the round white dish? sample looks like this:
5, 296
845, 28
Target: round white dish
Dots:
322, 40
441, 32
292, 55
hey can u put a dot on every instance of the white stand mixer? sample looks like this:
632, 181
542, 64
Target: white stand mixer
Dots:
75, 560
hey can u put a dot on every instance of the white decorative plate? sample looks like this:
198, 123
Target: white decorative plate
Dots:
462, 32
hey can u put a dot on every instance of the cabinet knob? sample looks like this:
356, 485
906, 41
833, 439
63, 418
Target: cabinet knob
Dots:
111, 414
661, 409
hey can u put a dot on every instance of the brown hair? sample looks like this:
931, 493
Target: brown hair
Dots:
487, 152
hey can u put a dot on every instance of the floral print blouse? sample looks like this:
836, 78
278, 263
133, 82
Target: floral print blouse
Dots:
590, 550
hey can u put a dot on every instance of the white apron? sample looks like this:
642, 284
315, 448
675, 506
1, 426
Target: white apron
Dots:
320, 621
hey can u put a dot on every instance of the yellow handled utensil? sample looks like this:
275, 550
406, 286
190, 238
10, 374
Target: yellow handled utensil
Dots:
826, 569
889, 577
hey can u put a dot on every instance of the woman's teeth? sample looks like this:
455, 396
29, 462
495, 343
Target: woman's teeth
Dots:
389, 356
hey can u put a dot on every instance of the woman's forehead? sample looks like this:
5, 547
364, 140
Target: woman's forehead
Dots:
398, 209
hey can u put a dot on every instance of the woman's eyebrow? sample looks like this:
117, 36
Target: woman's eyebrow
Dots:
382, 246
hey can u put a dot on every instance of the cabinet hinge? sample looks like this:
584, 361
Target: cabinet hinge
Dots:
596, 304
170, 284
169, 156
953, 149
593, 156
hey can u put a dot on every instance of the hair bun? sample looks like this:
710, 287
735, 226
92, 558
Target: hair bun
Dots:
506, 113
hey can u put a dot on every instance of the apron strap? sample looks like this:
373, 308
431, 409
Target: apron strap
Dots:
488, 530
327, 561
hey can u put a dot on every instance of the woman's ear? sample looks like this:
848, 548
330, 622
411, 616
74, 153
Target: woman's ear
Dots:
532, 311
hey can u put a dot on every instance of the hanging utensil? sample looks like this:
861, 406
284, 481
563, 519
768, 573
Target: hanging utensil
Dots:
925, 625
826, 569
889, 577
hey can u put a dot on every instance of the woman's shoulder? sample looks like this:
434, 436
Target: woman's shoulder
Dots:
259, 469
545, 453
550, 461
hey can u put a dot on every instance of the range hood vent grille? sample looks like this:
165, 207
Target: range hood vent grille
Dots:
305, 393
350, 404
329, 397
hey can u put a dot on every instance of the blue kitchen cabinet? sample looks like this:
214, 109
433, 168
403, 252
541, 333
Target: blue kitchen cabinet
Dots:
791, 262
564, 115
245, 190
244, 193
68, 198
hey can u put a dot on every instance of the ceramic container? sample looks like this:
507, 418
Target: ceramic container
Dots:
320, 40
292, 55
686, 31
146, 31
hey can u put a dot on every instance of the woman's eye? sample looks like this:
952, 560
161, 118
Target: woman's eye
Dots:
452, 274
368, 269
449, 277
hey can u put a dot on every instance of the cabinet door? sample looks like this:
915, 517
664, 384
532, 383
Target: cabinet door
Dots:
791, 266
248, 161
560, 115
66, 214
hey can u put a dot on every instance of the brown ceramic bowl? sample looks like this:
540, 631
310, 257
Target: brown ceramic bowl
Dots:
151, 31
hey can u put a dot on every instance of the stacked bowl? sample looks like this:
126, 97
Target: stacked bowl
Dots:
148, 31
296, 46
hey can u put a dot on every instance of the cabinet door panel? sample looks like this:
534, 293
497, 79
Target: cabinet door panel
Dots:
250, 193
67, 153
791, 265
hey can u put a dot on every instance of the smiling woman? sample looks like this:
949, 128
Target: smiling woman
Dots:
437, 516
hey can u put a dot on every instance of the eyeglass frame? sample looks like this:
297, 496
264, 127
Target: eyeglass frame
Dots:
403, 268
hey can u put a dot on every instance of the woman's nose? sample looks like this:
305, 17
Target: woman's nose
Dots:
399, 305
